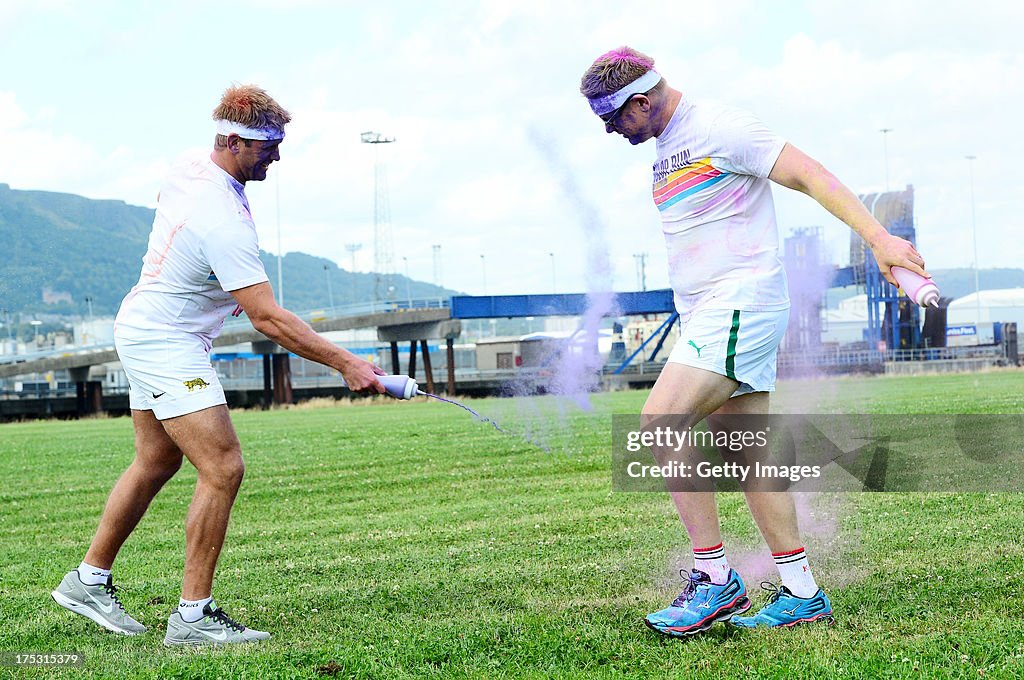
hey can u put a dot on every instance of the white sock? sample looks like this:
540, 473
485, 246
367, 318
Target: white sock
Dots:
92, 576
192, 610
712, 561
796, 573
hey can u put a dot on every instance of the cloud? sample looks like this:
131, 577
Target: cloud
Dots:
459, 87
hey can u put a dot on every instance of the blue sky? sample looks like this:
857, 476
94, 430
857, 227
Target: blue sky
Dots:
98, 98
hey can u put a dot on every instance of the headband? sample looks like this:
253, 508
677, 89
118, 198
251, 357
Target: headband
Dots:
611, 102
228, 127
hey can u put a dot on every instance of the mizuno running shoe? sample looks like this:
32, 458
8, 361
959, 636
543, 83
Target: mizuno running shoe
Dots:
700, 605
784, 609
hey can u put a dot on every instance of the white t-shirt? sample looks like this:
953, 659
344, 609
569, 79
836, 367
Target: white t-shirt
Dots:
711, 188
203, 244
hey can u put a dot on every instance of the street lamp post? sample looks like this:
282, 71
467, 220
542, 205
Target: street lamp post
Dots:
974, 231
408, 290
330, 290
554, 288
483, 271
885, 150
436, 249
280, 262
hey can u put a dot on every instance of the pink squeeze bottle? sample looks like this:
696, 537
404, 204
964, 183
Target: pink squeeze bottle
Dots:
919, 289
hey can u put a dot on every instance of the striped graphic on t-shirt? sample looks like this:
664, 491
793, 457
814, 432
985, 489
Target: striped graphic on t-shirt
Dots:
686, 181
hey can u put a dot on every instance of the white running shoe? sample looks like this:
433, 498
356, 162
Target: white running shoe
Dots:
99, 603
215, 628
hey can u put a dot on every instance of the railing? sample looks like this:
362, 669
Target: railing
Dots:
310, 316
843, 357
67, 350
375, 307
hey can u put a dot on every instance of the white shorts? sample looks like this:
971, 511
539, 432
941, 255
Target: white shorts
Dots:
740, 345
170, 375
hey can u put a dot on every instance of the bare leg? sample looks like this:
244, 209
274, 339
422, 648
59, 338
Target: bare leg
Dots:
692, 393
773, 511
208, 440
157, 459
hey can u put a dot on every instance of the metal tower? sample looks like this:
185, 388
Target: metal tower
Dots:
892, 319
383, 247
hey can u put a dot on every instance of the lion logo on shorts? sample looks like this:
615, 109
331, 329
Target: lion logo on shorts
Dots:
195, 383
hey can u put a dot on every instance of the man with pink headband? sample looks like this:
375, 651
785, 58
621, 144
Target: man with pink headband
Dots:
711, 187
202, 263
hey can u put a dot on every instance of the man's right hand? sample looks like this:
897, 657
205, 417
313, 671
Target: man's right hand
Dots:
361, 375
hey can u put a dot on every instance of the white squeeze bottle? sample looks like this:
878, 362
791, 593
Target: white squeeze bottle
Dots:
399, 386
919, 289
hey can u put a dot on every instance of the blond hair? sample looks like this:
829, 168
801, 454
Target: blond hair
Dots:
252, 107
614, 70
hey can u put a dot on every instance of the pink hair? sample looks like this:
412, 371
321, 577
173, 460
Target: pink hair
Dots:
628, 55
614, 70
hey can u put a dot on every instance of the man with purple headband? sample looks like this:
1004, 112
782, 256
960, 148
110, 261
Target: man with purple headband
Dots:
203, 263
711, 188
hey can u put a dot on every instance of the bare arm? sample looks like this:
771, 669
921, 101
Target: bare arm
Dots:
796, 170
295, 335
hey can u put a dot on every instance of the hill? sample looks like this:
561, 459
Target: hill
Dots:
956, 283
61, 249
953, 283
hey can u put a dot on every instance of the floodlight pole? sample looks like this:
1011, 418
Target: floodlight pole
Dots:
974, 231
352, 248
641, 269
381, 213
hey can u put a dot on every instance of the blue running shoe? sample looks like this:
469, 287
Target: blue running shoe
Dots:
784, 609
700, 605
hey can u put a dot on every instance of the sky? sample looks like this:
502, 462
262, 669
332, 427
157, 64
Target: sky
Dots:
98, 98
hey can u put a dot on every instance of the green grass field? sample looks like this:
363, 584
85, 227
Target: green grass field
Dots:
394, 540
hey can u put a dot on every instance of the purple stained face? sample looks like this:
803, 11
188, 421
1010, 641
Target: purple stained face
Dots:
268, 152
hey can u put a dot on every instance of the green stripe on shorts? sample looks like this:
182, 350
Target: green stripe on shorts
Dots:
730, 352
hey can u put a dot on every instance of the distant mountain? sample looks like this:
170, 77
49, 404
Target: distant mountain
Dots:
953, 283
59, 249
956, 283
